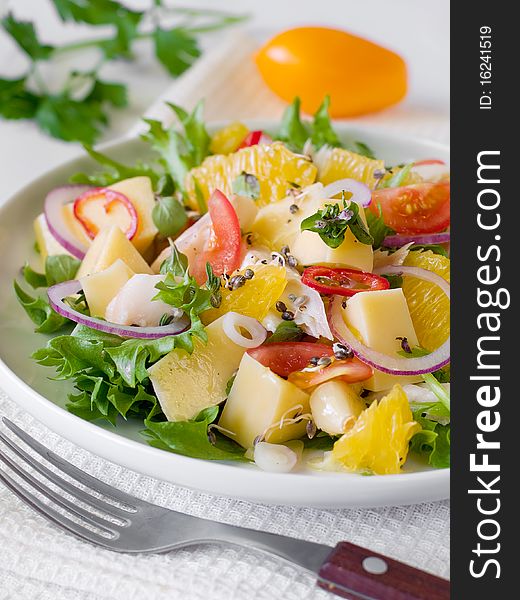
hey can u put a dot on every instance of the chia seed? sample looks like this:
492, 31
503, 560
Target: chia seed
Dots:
236, 281
294, 208
324, 361
404, 344
288, 315
285, 250
291, 261
212, 438
281, 306
341, 351
311, 429
292, 297
314, 361
249, 274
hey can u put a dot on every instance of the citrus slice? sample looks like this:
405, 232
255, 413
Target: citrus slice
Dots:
378, 441
255, 297
275, 166
338, 163
228, 139
429, 307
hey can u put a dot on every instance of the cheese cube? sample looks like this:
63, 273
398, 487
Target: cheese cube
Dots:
309, 249
99, 288
48, 245
109, 245
187, 383
140, 193
258, 399
379, 317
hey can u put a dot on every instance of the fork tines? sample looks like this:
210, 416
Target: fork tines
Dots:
108, 510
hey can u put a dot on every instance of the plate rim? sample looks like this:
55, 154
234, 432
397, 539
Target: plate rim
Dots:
295, 489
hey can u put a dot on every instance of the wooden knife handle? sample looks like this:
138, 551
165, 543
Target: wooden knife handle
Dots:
357, 573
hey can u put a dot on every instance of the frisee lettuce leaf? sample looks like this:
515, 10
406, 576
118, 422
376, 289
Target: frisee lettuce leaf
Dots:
179, 153
190, 438
39, 311
433, 441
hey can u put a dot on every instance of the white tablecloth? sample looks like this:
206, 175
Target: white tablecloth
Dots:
41, 562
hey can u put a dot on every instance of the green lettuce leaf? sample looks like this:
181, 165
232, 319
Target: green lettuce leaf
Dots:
190, 438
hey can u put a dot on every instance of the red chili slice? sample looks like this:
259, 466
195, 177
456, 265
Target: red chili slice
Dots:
255, 137
109, 200
342, 282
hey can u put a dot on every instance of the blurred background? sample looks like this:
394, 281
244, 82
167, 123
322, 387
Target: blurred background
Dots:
225, 73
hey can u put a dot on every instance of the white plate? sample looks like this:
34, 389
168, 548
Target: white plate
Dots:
29, 384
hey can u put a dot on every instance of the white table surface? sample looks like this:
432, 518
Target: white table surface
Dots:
36, 560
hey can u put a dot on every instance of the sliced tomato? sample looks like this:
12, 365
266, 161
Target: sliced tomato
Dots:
223, 250
100, 206
350, 370
255, 137
428, 161
418, 208
343, 282
285, 357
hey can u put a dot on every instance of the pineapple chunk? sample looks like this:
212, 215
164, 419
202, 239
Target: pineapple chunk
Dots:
140, 193
379, 318
258, 399
109, 245
99, 288
187, 383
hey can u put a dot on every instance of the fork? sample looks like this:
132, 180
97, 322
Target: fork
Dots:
120, 522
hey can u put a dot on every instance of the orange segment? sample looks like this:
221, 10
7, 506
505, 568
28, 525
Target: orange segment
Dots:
255, 297
429, 307
228, 139
339, 164
379, 439
275, 166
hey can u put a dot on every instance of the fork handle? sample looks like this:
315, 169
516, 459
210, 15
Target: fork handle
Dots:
353, 572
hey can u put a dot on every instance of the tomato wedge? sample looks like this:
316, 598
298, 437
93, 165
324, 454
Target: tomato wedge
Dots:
350, 370
224, 248
285, 357
418, 208
255, 137
92, 208
343, 282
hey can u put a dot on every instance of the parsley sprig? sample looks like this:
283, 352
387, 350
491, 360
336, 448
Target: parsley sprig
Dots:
80, 109
332, 222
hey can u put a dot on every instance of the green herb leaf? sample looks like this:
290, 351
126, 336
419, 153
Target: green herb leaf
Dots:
114, 171
286, 331
396, 281
332, 222
169, 216
104, 91
176, 49
292, 131
70, 120
15, 101
190, 438
363, 149
247, 185
377, 228
435, 248
33, 278
24, 34
176, 264
398, 178
40, 312
322, 132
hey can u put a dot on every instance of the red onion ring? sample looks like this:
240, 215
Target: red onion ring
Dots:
54, 202
398, 240
57, 292
389, 364
361, 193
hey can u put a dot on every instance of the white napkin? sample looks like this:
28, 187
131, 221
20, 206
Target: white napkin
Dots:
39, 561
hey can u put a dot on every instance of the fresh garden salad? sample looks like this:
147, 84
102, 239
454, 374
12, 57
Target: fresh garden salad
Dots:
279, 297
